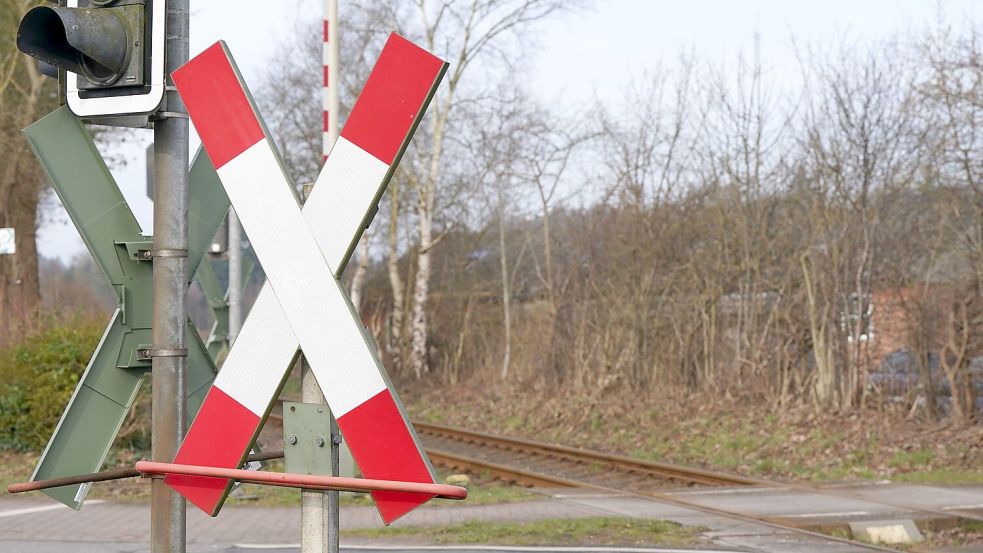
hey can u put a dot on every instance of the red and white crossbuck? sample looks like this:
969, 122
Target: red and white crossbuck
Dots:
303, 252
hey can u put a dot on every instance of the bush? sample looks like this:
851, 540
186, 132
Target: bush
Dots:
37, 378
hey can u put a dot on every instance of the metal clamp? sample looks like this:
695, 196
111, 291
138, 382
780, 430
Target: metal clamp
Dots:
147, 354
166, 252
170, 115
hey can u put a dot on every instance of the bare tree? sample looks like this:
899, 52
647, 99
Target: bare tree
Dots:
862, 139
461, 32
24, 96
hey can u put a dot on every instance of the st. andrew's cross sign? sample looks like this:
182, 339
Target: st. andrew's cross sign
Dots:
303, 252
109, 385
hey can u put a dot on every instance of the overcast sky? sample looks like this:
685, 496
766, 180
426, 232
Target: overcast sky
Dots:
587, 55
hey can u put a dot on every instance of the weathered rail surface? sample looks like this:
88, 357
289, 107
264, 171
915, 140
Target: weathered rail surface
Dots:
535, 463
541, 464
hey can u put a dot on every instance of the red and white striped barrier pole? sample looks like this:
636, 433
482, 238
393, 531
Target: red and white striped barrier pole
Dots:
317, 506
330, 103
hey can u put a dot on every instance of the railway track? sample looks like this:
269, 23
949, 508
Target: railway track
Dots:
540, 464
534, 463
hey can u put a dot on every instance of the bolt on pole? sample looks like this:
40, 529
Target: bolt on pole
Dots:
169, 366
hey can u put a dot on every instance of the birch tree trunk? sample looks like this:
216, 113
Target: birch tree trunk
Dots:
462, 37
395, 280
506, 295
421, 291
361, 269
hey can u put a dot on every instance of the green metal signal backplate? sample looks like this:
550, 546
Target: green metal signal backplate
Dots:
218, 301
306, 438
109, 385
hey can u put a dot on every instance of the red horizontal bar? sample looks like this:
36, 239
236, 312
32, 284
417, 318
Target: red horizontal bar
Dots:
308, 481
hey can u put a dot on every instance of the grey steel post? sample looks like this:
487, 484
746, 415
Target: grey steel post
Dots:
319, 515
170, 367
235, 276
314, 510
331, 12
334, 504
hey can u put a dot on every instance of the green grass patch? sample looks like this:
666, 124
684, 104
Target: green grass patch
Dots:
599, 531
942, 477
912, 459
494, 493
480, 492
275, 496
15, 467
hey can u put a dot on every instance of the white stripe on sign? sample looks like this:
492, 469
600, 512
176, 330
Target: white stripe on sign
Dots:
351, 179
264, 346
45, 508
337, 205
322, 319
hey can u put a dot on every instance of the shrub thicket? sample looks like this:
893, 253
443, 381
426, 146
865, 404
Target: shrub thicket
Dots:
37, 377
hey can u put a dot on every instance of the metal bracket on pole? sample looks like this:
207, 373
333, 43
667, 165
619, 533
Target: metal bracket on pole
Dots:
218, 337
307, 438
148, 255
146, 354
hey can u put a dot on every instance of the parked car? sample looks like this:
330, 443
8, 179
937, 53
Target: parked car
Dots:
899, 374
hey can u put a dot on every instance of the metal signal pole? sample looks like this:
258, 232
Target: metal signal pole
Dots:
170, 361
319, 510
331, 84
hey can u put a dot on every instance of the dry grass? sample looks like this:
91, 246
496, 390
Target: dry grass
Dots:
742, 436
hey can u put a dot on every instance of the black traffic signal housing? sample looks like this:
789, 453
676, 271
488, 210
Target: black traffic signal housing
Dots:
111, 49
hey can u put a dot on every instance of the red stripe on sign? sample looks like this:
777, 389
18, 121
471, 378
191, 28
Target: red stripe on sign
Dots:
217, 102
381, 443
325, 75
222, 431
392, 98
325, 30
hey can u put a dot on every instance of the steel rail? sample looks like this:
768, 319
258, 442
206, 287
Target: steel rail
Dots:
665, 470
777, 523
670, 470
